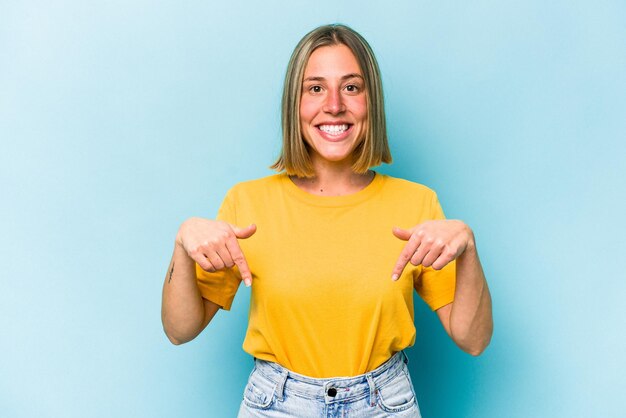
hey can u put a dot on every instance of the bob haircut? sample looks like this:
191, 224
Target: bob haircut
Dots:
373, 148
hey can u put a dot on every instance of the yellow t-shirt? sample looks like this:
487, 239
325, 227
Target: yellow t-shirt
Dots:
323, 303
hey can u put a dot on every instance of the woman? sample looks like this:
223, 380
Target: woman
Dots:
332, 251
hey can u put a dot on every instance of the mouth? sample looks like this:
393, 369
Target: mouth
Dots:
335, 131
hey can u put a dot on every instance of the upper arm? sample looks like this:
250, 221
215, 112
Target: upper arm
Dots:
444, 316
210, 309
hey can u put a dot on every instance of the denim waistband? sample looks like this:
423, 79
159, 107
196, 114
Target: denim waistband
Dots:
345, 388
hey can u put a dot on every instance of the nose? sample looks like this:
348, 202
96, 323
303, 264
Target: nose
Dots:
334, 103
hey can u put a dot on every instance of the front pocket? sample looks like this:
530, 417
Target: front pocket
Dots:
397, 395
259, 392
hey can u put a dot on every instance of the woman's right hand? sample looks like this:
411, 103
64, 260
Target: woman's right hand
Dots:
214, 246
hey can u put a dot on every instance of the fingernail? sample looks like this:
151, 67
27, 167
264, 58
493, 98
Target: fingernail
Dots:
247, 282
394, 277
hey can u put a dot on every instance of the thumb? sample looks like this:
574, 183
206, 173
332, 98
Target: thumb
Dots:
246, 232
403, 234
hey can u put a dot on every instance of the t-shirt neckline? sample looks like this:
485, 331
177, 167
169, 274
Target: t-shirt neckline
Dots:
333, 201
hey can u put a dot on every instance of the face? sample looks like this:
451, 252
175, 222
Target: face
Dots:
333, 107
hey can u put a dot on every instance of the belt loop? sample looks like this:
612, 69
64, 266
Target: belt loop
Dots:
280, 387
406, 358
370, 382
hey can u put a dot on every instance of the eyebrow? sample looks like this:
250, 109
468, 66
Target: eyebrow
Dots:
345, 77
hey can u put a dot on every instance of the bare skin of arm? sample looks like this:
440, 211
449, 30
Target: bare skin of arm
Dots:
184, 312
468, 320
213, 245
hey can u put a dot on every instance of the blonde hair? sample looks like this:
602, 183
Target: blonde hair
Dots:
374, 148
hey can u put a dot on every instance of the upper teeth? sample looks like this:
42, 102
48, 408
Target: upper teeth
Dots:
334, 129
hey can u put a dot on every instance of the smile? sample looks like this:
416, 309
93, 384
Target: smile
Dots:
334, 130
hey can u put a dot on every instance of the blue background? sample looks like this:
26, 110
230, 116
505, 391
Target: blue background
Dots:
120, 119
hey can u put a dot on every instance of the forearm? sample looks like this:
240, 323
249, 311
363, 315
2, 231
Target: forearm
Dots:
471, 322
182, 309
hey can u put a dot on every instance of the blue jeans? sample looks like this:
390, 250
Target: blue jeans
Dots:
275, 392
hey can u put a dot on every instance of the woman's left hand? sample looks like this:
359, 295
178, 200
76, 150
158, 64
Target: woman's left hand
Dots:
432, 244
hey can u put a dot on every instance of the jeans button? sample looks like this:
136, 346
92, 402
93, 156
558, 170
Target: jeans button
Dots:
332, 392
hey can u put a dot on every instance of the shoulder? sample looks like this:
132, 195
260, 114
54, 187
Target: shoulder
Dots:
403, 186
412, 198
254, 187
249, 196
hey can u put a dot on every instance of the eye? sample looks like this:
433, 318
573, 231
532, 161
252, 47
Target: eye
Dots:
352, 88
315, 89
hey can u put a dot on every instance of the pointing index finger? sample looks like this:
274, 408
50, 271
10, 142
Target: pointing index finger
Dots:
239, 259
405, 256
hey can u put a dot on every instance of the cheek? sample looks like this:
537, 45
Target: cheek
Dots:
307, 110
359, 108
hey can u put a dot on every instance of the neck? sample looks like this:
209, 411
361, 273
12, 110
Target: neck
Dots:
334, 180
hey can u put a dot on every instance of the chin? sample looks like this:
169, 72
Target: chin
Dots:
335, 157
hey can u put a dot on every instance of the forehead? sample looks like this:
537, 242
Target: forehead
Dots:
331, 61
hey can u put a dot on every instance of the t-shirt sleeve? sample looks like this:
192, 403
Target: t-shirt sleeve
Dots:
436, 287
220, 287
